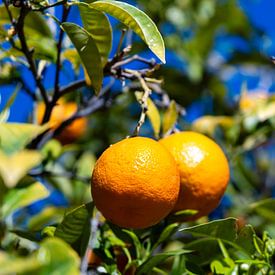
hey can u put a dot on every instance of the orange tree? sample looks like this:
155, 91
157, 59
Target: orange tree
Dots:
136, 183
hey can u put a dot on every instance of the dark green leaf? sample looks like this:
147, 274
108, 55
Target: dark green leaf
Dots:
245, 239
153, 261
88, 52
98, 26
74, 222
166, 233
137, 20
265, 208
224, 229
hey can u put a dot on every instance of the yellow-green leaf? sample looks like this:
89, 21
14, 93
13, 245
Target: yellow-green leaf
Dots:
152, 113
136, 20
15, 136
18, 198
15, 167
170, 117
98, 26
208, 124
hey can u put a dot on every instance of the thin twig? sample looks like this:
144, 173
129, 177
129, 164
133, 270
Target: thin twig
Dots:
123, 32
72, 87
143, 101
136, 57
58, 3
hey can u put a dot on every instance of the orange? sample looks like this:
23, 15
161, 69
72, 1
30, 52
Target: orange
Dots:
135, 183
62, 111
204, 171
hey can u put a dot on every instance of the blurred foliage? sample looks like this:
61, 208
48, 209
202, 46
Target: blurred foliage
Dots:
48, 224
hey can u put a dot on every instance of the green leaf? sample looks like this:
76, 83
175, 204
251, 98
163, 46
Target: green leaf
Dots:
15, 136
49, 215
137, 20
224, 229
17, 265
264, 208
57, 257
154, 117
98, 26
88, 52
166, 233
74, 222
152, 113
245, 239
18, 198
153, 261
170, 117
15, 167
135, 241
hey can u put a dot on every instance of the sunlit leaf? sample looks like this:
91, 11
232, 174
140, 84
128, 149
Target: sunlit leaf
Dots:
88, 52
208, 124
49, 215
57, 257
15, 136
136, 20
98, 25
152, 113
170, 117
18, 198
16, 166
14, 265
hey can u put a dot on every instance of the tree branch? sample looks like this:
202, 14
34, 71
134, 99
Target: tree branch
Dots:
29, 54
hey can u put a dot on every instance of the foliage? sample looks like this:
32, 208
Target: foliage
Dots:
48, 223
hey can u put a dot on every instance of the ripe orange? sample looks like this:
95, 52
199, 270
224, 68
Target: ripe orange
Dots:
62, 111
204, 171
135, 183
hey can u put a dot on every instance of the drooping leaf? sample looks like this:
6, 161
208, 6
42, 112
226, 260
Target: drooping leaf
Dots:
88, 52
152, 113
74, 222
18, 198
153, 261
15, 136
15, 167
224, 229
136, 20
154, 116
170, 117
98, 26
